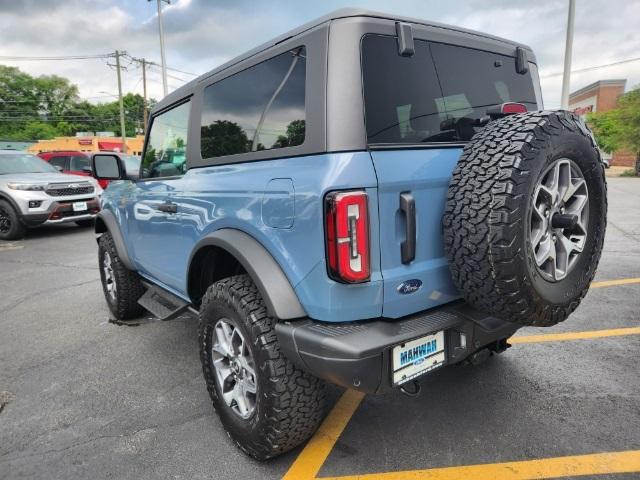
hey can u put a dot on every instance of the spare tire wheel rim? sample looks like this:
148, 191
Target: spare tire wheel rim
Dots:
235, 369
559, 217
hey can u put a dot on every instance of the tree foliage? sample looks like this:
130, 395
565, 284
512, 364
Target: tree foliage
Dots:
619, 128
33, 108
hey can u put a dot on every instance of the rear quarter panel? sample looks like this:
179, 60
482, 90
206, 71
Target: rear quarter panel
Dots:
248, 197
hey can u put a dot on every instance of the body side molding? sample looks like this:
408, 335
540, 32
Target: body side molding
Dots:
278, 294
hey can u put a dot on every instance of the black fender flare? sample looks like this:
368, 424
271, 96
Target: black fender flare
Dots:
106, 222
274, 286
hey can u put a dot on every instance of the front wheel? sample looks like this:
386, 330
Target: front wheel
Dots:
266, 404
10, 226
122, 288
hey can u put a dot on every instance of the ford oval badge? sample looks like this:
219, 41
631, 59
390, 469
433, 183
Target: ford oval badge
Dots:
409, 286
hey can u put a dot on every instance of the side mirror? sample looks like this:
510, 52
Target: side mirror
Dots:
87, 169
108, 167
58, 167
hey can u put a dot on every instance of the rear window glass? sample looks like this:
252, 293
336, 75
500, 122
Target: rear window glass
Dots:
260, 108
437, 94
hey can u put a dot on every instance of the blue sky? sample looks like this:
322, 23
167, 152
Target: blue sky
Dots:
201, 34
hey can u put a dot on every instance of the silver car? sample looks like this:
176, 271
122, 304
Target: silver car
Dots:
33, 193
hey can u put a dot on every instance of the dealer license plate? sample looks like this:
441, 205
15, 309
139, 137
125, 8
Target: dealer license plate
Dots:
79, 206
416, 357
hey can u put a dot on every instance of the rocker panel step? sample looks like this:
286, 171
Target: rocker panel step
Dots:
162, 304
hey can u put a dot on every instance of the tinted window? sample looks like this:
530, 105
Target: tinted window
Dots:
437, 94
165, 155
259, 108
59, 162
78, 163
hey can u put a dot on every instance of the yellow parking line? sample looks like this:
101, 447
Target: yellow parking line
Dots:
559, 337
612, 283
310, 460
573, 466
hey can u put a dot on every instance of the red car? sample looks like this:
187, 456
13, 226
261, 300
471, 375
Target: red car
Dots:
73, 162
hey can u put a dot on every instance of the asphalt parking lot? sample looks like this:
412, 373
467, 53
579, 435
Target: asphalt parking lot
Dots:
86, 398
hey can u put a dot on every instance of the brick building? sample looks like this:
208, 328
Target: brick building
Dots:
600, 97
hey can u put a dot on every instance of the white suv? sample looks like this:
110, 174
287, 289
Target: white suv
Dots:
33, 193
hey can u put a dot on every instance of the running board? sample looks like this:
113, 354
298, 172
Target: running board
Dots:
162, 304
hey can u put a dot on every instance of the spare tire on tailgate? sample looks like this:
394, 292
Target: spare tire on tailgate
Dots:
525, 217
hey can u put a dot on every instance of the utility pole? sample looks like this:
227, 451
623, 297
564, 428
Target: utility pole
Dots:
122, 126
145, 113
162, 56
566, 77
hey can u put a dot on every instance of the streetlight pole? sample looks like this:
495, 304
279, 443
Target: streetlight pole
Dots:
162, 56
566, 77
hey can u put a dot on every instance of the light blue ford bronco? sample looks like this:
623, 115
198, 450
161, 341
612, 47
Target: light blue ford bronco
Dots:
361, 201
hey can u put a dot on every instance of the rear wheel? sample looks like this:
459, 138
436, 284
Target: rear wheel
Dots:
266, 404
122, 287
525, 217
10, 226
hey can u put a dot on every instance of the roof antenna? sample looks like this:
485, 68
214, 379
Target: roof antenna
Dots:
406, 47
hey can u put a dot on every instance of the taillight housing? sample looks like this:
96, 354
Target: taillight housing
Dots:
508, 108
347, 236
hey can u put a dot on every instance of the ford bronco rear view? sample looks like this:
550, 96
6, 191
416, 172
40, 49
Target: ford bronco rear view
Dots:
361, 201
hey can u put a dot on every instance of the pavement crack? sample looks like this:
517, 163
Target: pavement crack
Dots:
57, 288
4, 458
49, 264
629, 235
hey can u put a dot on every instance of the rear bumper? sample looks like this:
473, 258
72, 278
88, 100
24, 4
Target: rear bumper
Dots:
358, 354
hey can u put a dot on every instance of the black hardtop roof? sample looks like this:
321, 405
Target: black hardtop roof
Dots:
335, 15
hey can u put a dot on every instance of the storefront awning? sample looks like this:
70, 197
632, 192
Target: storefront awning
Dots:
113, 146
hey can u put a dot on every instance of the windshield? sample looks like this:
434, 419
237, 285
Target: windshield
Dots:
23, 163
131, 162
439, 93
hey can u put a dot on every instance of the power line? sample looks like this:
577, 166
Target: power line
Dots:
596, 67
55, 58
84, 57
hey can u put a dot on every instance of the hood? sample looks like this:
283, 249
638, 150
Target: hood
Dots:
44, 178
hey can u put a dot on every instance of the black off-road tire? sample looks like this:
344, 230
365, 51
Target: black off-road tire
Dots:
129, 287
486, 219
290, 403
15, 230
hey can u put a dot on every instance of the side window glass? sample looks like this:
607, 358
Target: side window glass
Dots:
166, 152
260, 108
60, 162
78, 163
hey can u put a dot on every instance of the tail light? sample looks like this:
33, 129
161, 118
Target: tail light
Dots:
347, 232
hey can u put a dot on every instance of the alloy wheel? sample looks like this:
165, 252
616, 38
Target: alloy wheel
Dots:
234, 367
109, 276
559, 216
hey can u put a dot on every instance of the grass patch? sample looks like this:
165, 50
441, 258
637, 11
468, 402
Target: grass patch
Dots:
629, 173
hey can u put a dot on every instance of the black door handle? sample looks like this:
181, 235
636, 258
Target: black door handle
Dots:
408, 246
168, 207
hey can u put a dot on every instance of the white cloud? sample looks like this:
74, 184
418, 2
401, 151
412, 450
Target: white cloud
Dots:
201, 34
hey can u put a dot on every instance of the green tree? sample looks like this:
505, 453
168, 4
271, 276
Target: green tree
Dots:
223, 138
53, 101
619, 128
